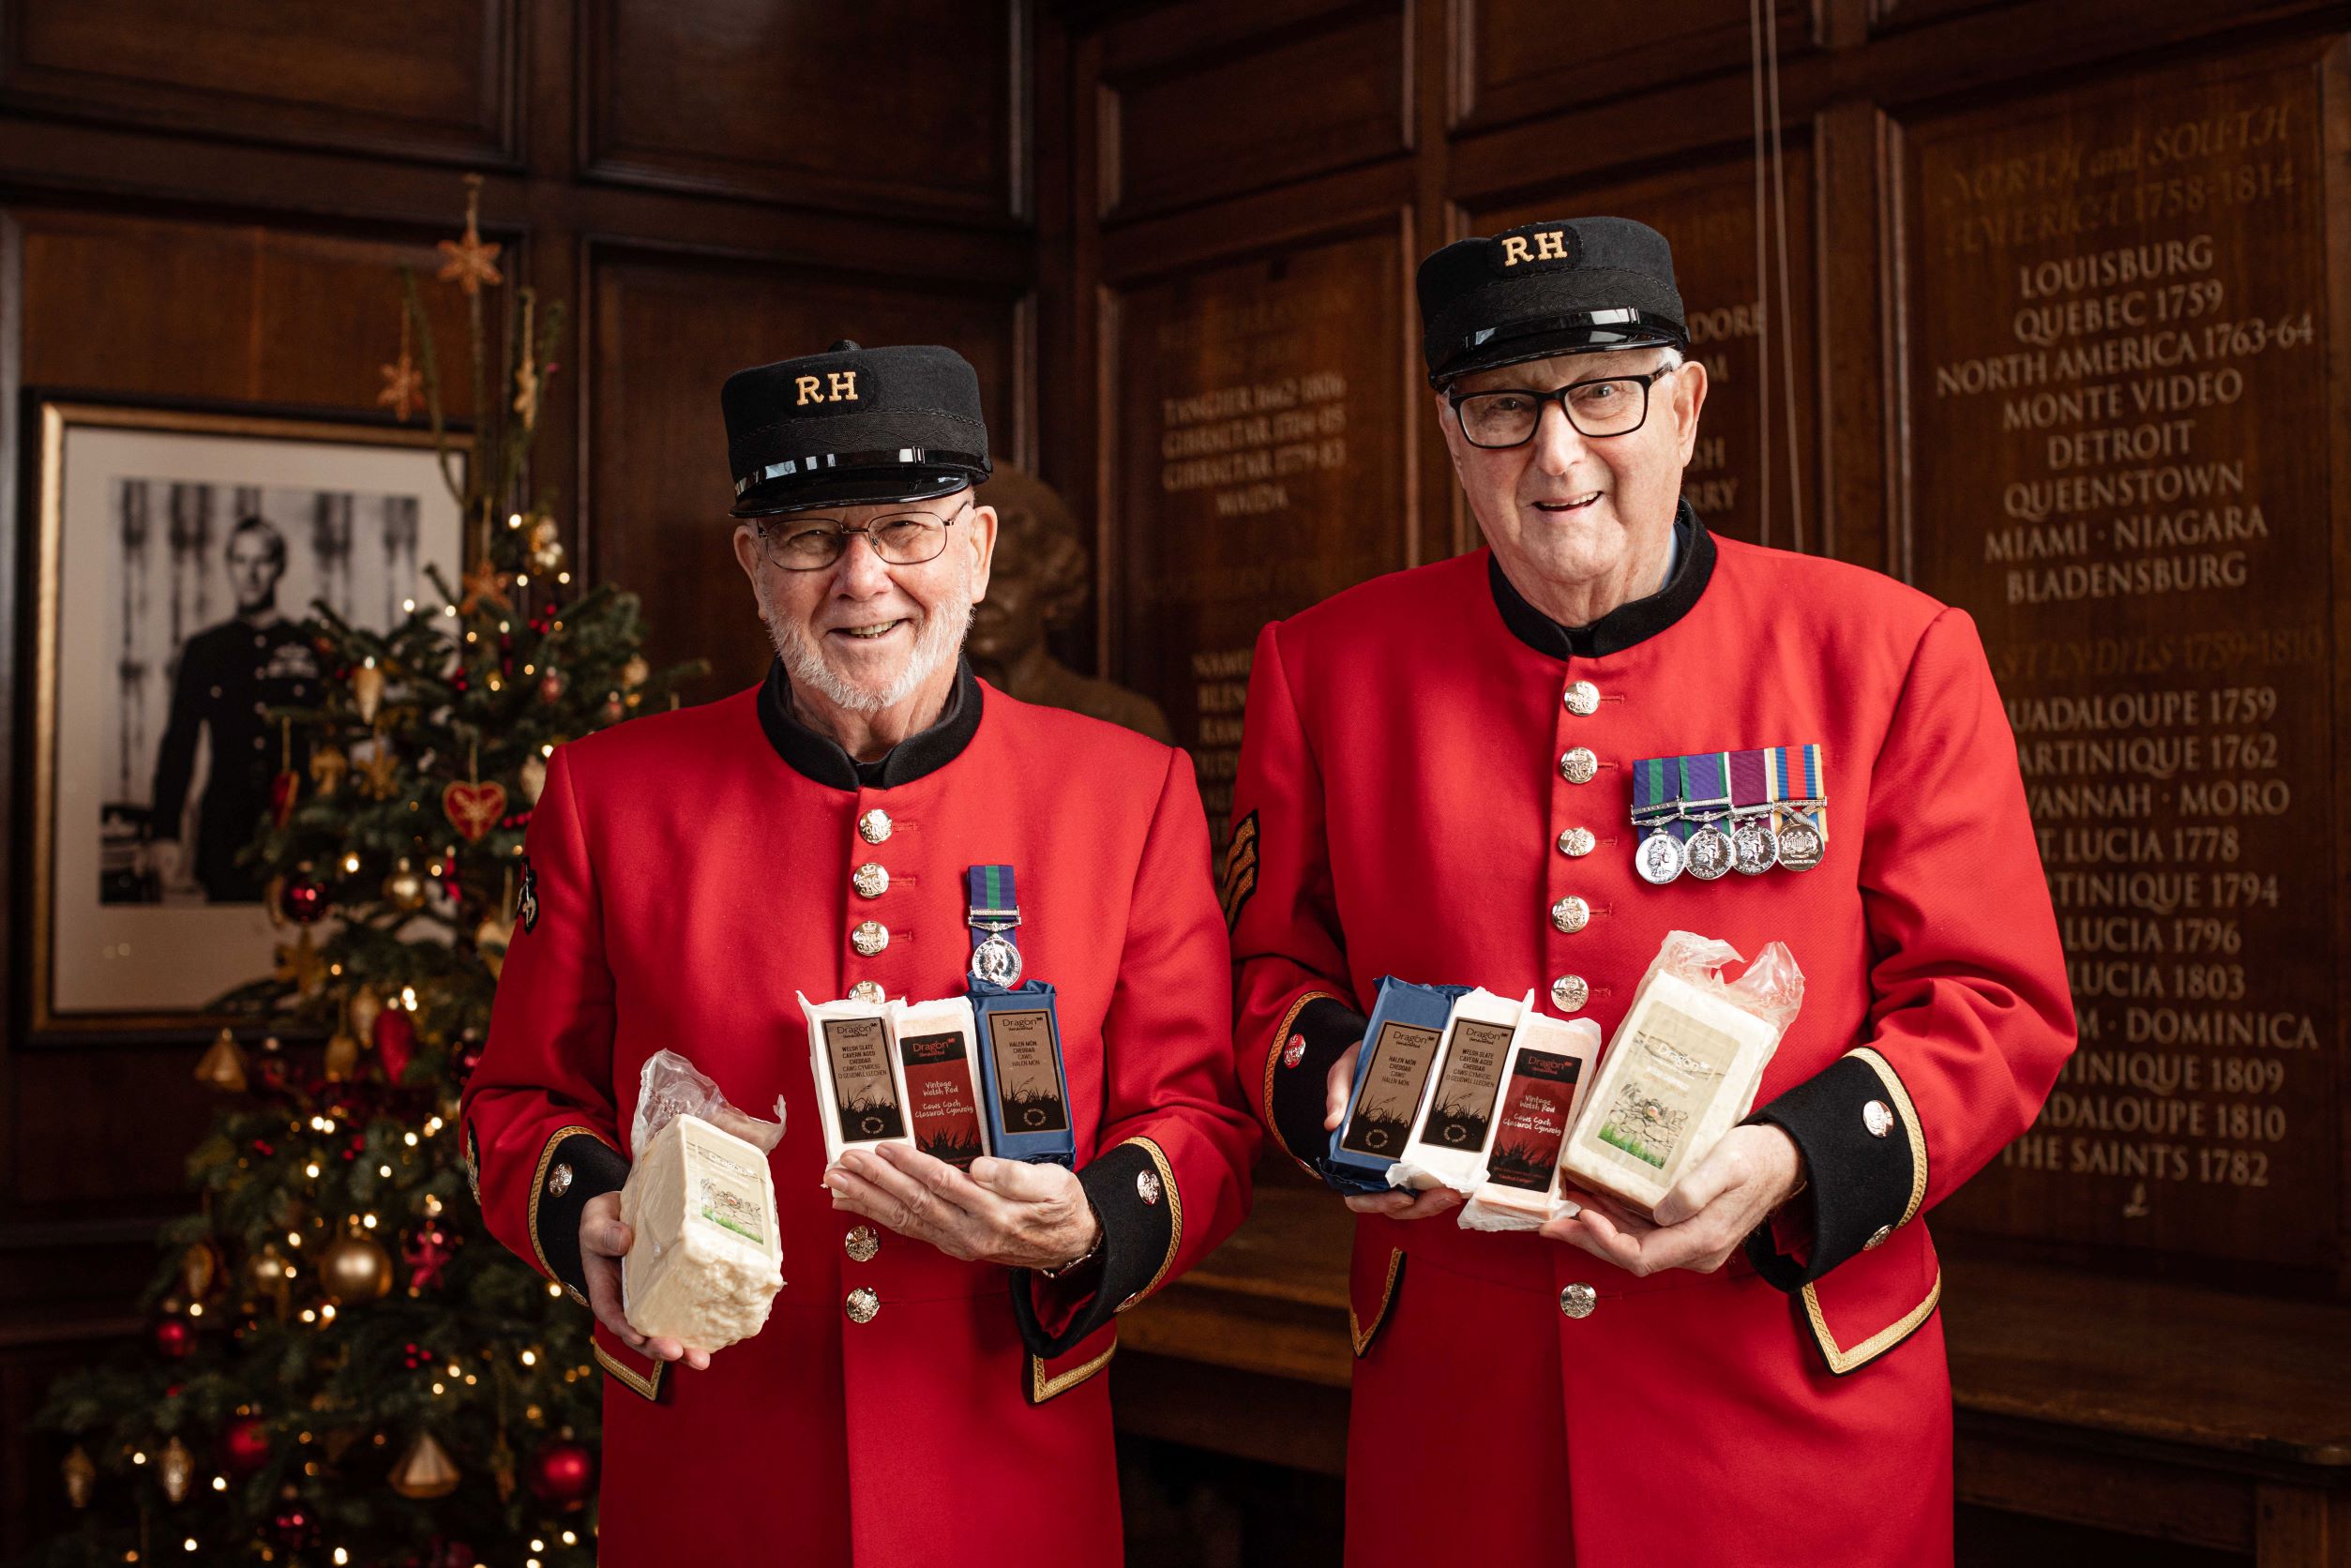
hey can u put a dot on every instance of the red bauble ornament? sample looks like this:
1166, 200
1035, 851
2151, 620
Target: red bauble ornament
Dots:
563, 1473
303, 900
551, 687
244, 1446
175, 1337
396, 1037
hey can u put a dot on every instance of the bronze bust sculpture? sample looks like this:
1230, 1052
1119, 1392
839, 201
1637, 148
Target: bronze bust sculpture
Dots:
1036, 584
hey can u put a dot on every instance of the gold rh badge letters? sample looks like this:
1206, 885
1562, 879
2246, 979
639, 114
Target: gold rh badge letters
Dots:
1548, 246
813, 389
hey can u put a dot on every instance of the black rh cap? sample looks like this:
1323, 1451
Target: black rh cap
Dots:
852, 426
1573, 285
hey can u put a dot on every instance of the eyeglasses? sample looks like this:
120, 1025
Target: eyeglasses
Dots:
1610, 405
799, 544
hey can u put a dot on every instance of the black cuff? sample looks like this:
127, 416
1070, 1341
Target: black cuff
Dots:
1299, 1099
1133, 1191
576, 1168
1864, 1156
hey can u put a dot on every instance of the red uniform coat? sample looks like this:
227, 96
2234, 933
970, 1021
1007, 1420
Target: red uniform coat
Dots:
687, 874
1400, 809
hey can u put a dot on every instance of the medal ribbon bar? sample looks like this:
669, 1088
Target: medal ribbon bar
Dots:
1705, 790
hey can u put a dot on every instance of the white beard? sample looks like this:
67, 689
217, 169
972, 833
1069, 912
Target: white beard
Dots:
937, 640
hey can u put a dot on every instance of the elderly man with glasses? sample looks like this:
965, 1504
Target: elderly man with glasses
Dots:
1521, 769
925, 1382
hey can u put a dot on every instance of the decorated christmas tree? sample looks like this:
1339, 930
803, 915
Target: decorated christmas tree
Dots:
343, 1366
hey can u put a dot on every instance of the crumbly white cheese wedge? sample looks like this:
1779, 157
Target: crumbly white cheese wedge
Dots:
1680, 1072
706, 1259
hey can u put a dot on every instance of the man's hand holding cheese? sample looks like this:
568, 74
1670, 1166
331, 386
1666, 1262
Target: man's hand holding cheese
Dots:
934, 1350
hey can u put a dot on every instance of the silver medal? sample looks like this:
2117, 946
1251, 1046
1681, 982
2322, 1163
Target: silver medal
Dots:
1799, 844
996, 961
1659, 858
1709, 853
1754, 848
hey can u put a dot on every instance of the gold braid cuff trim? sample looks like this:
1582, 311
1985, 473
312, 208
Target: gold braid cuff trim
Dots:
1842, 1361
1041, 1388
1175, 1218
1909, 1114
538, 1184
1274, 1060
649, 1387
1355, 1329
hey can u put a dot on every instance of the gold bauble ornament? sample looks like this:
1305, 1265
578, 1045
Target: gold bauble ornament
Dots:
491, 939
342, 1057
222, 1066
81, 1477
404, 889
267, 1278
365, 1006
425, 1470
199, 1267
356, 1269
176, 1468
534, 778
367, 689
636, 673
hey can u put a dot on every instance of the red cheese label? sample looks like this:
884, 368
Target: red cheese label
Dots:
939, 1094
1533, 1120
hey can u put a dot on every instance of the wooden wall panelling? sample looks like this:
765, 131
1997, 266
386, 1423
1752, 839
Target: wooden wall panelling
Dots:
1256, 410
2334, 87
2119, 463
429, 78
668, 330
1316, 89
1852, 237
1709, 215
895, 106
1516, 59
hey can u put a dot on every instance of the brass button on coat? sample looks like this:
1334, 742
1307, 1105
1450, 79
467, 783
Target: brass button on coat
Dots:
1877, 1238
1578, 1299
1578, 766
559, 1180
1583, 699
861, 1244
872, 880
870, 937
1578, 842
874, 826
1571, 914
1569, 993
1878, 1117
863, 1305
868, 991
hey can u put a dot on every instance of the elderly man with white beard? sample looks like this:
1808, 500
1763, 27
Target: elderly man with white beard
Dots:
869, 823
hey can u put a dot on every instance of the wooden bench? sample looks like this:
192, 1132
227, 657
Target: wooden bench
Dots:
2152, 1410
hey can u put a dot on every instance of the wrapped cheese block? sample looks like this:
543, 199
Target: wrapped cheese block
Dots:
860, 1085
707, 1259
1543, 1081
934, 1043
1448, 1143
1682, 1068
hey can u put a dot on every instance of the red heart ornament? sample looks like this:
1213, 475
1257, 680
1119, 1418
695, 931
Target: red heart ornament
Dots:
473, 809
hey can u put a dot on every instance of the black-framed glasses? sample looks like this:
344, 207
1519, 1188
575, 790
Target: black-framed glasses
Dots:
807, 544
1509, 416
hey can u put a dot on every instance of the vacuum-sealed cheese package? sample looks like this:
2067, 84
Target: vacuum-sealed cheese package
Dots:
706, 1257
1682, 1068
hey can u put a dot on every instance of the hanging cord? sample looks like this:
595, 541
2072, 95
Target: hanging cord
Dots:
1786, 318
1763, 283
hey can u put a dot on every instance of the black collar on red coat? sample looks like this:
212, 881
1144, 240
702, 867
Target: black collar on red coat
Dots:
822, 759
1627, 624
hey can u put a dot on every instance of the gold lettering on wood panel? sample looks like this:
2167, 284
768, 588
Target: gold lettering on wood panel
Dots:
2121, 471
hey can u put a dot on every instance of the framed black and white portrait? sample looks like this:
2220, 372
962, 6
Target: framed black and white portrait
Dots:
180, 554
